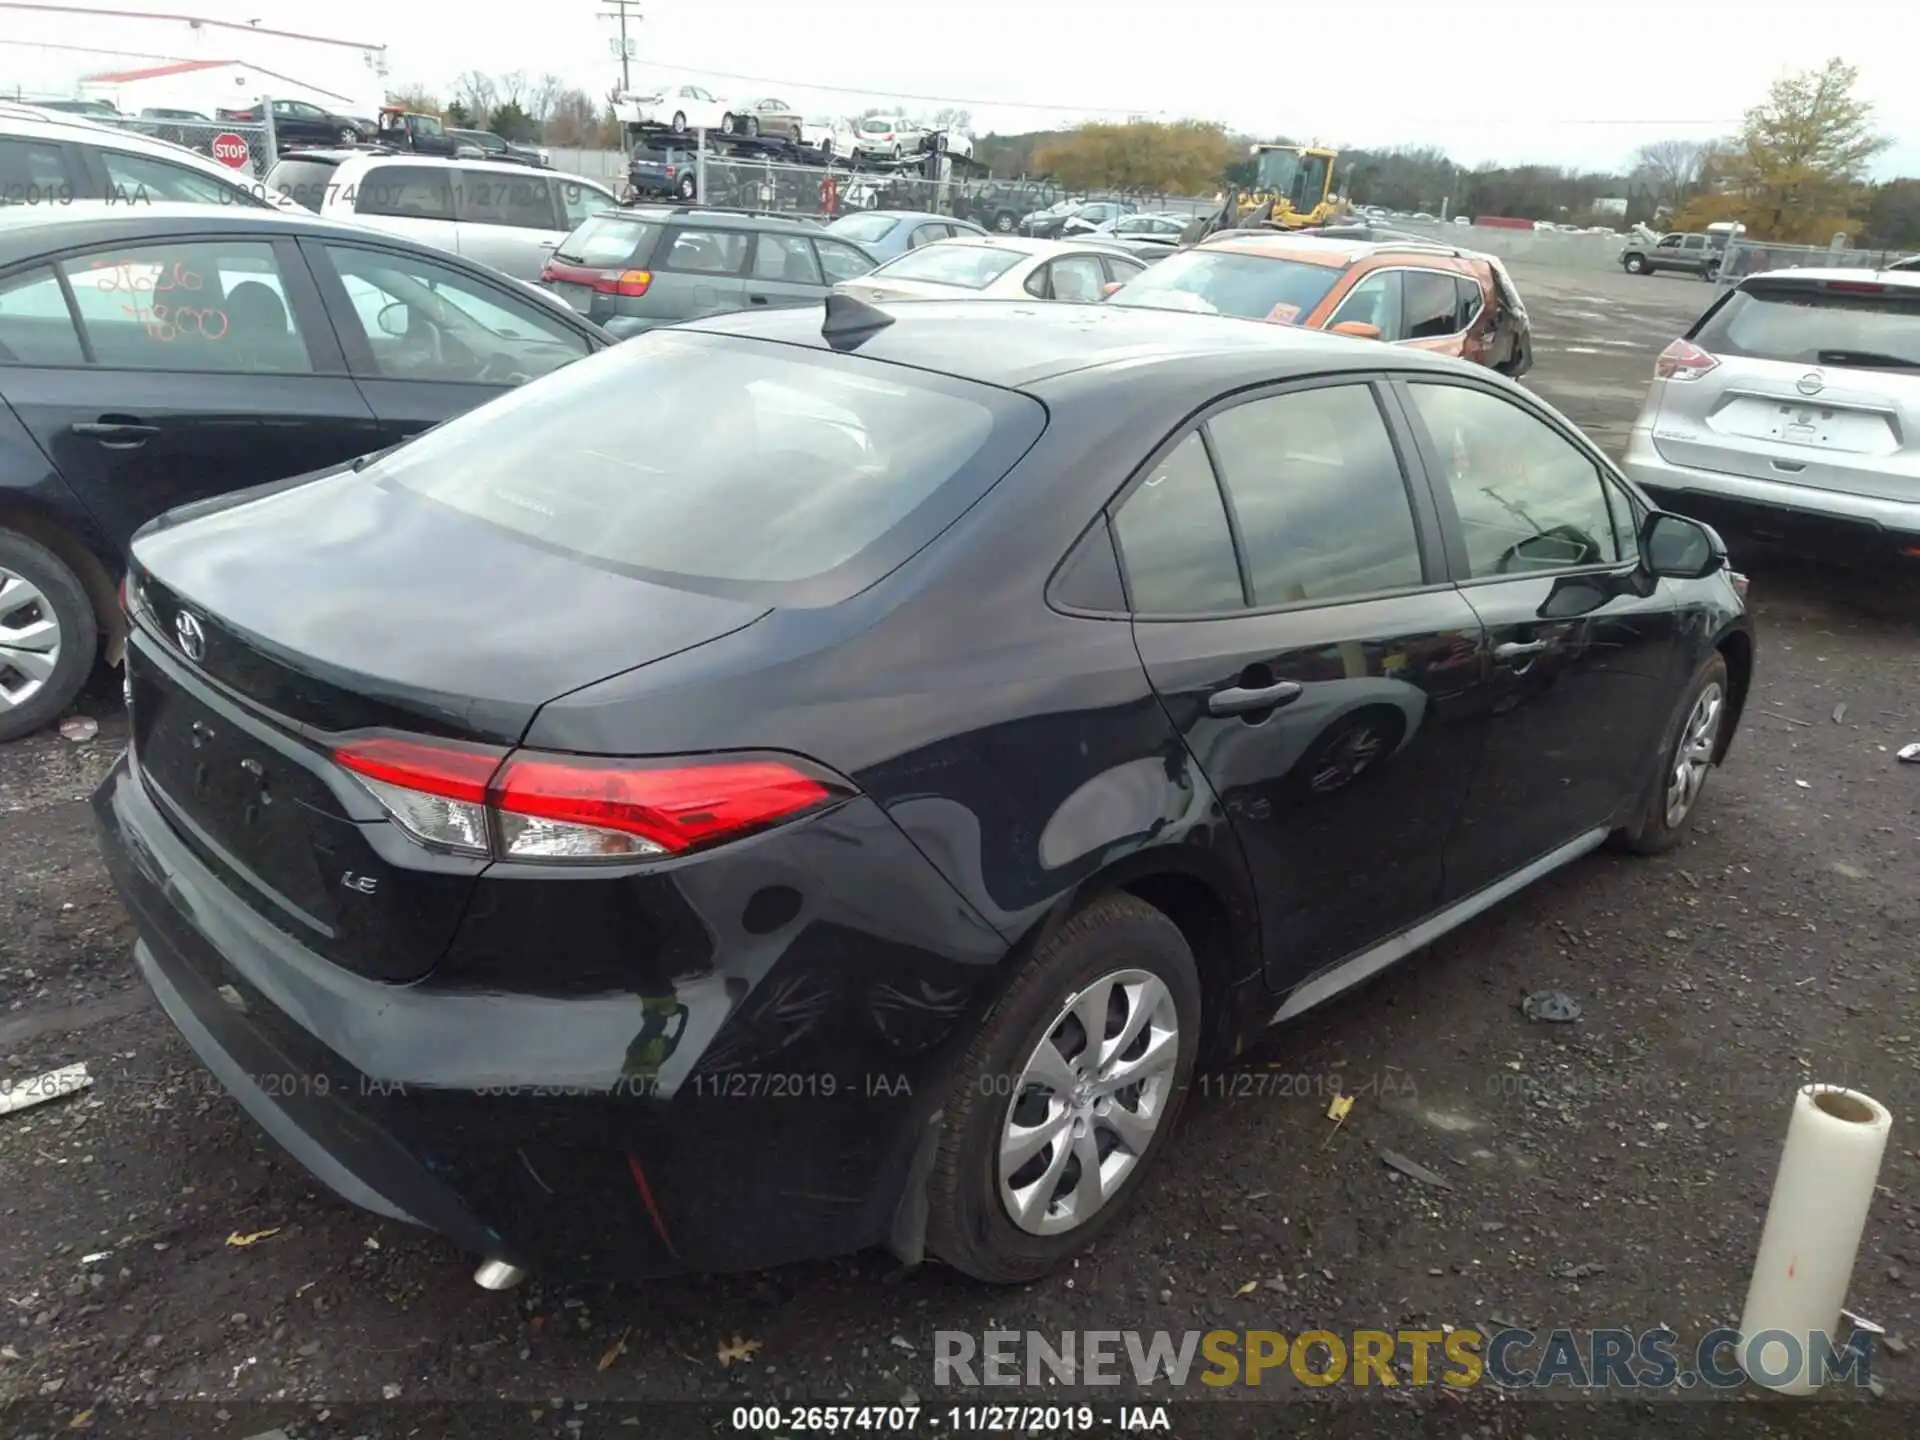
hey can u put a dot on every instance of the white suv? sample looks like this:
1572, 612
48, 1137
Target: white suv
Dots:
508, 216
49, 158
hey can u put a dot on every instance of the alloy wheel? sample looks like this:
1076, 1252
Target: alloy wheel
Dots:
1693, 756
1088, 1102
29, 640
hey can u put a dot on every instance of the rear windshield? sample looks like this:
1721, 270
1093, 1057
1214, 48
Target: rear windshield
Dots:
609, 240
1218, 282
798, 461
876, 127
304, 182
1804, 326
864, 229
971, 267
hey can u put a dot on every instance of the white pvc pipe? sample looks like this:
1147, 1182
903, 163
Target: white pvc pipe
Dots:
1821, 1194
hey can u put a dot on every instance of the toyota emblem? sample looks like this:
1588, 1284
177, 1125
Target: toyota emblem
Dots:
1810, 383
193, 640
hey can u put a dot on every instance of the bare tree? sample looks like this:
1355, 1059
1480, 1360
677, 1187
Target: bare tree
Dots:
513, 88
1673, 169
573, 119
953, 117
542, 97
476, 93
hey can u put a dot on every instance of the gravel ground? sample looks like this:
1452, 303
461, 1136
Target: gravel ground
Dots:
1608, 1172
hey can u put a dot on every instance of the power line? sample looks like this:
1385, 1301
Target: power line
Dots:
882, 92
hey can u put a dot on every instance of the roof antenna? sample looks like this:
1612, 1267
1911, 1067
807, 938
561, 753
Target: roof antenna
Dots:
851, 320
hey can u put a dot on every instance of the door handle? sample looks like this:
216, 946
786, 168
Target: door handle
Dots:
1520, 650
759, 299
116, 434
1239, 700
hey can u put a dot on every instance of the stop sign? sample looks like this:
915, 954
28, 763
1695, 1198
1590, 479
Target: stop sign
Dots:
231, 149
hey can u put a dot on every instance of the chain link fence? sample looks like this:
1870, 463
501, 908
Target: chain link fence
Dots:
1753, 257
200, 136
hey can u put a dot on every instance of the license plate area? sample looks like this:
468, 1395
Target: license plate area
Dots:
579, 297
1810, 425
248, 808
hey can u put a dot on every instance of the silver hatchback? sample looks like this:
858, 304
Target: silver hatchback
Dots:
1791, 411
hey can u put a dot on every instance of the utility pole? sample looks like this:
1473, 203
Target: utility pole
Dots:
619, 12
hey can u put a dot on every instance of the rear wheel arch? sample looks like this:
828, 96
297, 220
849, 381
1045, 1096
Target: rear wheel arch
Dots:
1214, 915
100, 584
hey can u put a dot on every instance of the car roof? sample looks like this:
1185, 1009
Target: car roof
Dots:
1017, 343
906, 215
1335, 251
27, 231
1904, 279
712, 218
1028, 244
371, 158
27, 122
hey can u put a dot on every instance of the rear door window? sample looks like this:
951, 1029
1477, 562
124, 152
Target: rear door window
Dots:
1319, 495
483, 198
787, 258
707, 252
1430, 303
580, 202
412, 192
801, 461
1865, 327
142, 179
200, 305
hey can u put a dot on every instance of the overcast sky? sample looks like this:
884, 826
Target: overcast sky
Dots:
1503, 81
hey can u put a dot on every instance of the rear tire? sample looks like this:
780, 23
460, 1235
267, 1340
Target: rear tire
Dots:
970, 1214
49, 637
349, 136
1692, 739
679, 122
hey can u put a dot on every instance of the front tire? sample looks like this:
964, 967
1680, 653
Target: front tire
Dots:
684, 187
753, 127
1004, 223
349, 136
679, 122
1687, 754
49, 637
1636, 264
1067, 1095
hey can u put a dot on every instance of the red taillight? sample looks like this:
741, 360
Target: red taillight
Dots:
1683, 360
1739, 583
605, 282
533, 805
1855, 287
671, 809
671, 172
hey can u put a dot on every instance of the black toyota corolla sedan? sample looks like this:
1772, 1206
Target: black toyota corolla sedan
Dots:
625, 846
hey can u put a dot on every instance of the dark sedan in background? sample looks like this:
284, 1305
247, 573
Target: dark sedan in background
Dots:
157, 354
824, 778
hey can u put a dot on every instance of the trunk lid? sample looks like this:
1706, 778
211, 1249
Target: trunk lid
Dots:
1818, 384
344, 604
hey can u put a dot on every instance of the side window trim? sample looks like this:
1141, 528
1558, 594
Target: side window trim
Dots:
1205, 432
1440, 494
1415, 475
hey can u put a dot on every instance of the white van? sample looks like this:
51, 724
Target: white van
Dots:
508, 216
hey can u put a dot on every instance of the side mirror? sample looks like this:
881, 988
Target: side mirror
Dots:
393, 319
1359, 329
1110, 287
1675, 547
